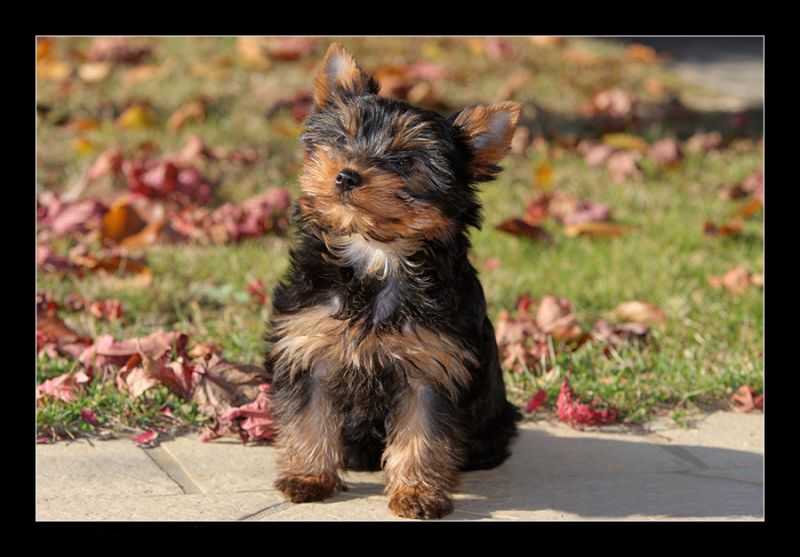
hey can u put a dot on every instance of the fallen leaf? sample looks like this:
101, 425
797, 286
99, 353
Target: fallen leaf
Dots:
623, 165
536, 401
596, 155
595, 228
43, 47
88, 415
498, 48
121, 220
222, 385
300, 105
54, 328
253, 421
547, 41
257, 292
94, 72
543, 176
639, 312
615, 103
731, 229
137, 117
107, 351
147, 439
626, 142
746, 400
735, 281
642, 53
554, 317
191, 111
65, 387
619, 333
665, 152
52, 69
106, 309
117, 49
704, 142
518, 227
143, 73
83, 146
586, 211
574, 412
751, 208
69, 217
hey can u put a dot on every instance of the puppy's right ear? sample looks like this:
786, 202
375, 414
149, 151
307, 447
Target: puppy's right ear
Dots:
340, 75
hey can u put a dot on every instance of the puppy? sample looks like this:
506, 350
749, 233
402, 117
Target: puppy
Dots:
381, 353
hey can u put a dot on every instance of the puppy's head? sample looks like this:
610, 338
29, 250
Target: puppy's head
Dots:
390, 171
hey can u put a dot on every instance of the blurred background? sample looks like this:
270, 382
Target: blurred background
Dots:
622, 247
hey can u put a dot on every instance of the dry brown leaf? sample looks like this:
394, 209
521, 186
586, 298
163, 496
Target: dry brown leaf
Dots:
223, 385
53, 69
547, 41
735, 281
623, 165
596, 228
625, 141
642, 53
731, 229
637, 311
121, 220
193, 110
519, 227
94, 72
144, 73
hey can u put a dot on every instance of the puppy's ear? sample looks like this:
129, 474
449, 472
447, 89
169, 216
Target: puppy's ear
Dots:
340, 75
488, 131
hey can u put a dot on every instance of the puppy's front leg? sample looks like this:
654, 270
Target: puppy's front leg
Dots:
423, 453
309, 434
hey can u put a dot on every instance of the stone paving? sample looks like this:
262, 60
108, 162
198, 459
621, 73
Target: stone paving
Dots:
712, 470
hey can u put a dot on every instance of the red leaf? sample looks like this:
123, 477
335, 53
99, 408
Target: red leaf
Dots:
536, 401
88, 415
257, 423
519, 227
256, 290
746, 400
575, 412
64, 387
148, 439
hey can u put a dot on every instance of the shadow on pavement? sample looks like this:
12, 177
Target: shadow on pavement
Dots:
607, 478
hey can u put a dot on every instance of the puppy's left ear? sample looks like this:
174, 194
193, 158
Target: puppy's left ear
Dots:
488, 131
341, 75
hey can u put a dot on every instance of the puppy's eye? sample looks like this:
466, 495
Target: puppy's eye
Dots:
400, 165
341, 141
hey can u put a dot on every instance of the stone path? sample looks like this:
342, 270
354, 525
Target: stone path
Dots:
730, 70
712, 471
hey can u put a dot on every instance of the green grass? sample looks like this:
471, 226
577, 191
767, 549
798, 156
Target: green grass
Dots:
711, 343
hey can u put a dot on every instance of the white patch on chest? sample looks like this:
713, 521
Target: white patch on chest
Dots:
370, 257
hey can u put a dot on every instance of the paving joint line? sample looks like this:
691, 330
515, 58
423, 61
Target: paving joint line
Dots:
685, 455
173, 469
267, 511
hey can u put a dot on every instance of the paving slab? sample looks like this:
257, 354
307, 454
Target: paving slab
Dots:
114, 468
224, 465
158, 508
711, 471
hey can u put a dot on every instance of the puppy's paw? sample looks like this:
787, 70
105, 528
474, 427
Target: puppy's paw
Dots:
304, 489
416, 502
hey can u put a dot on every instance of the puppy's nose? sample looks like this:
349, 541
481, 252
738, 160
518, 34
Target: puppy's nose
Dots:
348, 179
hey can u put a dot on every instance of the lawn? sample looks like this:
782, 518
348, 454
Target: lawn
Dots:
708, 345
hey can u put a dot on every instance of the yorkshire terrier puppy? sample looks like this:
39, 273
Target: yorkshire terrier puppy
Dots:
380, 350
